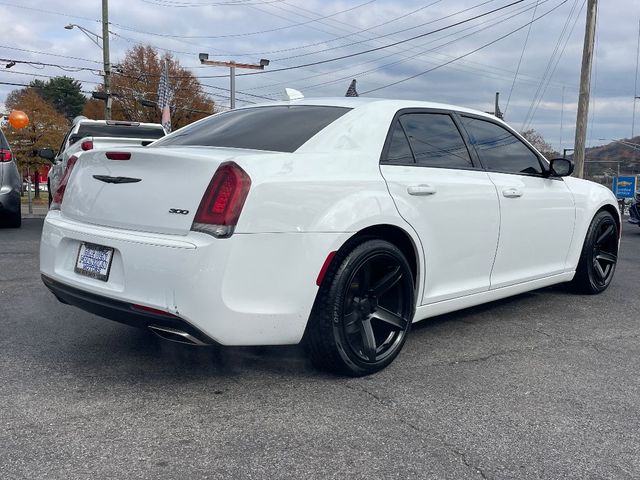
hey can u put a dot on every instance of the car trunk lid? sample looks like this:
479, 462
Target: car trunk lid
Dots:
154, 190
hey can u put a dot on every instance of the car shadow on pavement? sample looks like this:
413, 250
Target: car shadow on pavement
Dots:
123, 352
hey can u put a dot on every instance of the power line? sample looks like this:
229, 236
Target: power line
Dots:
549, 66
245, 34
8, 47
315, 44
392, 33
466, 54
66, 68
497, 21
544, 91
52, 12
48, 76
167, 3
524, 47
356, 54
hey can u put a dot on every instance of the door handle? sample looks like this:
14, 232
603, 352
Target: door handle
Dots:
512, 192
421, 190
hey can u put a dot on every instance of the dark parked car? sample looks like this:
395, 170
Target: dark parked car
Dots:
9, 187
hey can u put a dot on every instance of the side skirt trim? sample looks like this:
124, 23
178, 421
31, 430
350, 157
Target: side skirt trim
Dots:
446, 306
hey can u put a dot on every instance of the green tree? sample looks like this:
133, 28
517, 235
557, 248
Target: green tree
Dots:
46, 128
64, 93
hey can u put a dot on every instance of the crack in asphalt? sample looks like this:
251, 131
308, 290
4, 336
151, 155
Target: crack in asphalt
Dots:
596, 344
392, 407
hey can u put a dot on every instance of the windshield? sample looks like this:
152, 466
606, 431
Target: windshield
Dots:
278, 128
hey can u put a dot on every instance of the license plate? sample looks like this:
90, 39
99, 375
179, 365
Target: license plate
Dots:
94, 261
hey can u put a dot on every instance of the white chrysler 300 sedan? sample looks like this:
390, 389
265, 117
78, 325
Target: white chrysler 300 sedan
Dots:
340, 221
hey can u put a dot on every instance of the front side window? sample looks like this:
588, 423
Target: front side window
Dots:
435, 140
499, 149
278, 128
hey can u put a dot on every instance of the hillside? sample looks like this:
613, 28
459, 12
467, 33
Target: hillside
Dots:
614, 151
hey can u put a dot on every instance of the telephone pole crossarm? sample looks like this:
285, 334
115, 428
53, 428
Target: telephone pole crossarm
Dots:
231, 65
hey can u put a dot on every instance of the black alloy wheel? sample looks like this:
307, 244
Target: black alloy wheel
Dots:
599, 255
364, 310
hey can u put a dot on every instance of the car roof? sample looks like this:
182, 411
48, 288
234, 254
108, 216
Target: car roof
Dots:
116, 122
387, 103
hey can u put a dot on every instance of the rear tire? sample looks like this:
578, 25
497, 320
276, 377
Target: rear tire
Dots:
363, 311
15, 220
599, 255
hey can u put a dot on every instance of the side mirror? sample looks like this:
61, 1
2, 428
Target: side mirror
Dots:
561, 167
47, 153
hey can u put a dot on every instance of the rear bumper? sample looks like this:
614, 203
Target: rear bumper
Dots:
121, 312
250, 289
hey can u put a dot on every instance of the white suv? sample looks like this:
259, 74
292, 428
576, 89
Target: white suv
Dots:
88, 134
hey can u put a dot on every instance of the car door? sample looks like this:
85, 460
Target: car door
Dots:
537, 212
447, 198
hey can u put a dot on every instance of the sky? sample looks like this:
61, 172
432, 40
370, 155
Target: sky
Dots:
454, 51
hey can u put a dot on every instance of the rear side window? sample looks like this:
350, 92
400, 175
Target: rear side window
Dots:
399, 152
499, 149
120, 131
435, 140
280, 128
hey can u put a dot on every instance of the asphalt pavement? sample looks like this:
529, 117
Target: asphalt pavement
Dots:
542, 385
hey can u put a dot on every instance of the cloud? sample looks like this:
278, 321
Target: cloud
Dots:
293, 27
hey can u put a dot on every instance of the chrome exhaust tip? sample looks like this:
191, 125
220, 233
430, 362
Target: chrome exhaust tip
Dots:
175, 335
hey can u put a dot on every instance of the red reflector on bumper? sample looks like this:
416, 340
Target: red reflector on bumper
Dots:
154, 311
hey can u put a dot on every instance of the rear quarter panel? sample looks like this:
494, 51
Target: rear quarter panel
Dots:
330, 184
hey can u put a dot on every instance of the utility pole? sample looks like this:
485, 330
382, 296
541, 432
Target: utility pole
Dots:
585, 87
204, 60
105, 58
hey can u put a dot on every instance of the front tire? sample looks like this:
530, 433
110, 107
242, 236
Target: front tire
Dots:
363, 311
599, 255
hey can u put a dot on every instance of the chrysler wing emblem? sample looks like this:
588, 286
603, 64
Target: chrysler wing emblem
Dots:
108, 179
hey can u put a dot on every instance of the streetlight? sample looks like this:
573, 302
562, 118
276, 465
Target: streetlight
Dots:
94, 37
204, 60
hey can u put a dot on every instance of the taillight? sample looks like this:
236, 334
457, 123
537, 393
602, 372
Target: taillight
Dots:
5, 155
87, 145
59, 195
222, 202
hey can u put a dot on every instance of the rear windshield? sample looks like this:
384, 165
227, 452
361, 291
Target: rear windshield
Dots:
120, 131
280, 128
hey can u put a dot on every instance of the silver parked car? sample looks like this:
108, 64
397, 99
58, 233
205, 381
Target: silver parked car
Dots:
10, 215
